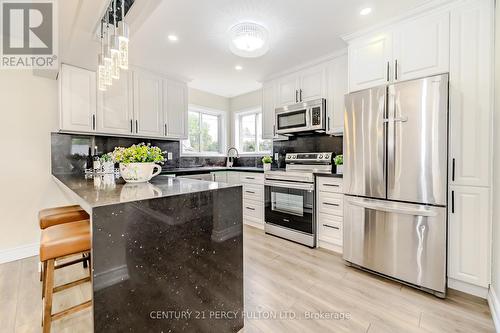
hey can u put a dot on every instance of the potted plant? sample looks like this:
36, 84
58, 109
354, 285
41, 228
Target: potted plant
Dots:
339, 163
267, 160
108, 165
138, 162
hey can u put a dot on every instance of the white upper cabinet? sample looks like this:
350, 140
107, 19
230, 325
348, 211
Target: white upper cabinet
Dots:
287, 90
369, 61
114, 112
469, 235
471, 70
337, 88
148, 110
312, 84
78, 104
422, 47
175, 97
268, 126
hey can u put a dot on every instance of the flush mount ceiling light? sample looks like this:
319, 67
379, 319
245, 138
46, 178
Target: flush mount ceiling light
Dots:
238, 67
173, 38
365, 11
249, 40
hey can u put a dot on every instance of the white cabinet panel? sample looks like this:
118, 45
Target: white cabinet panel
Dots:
469, 230
268, 95
312, 83
369, 60
219, 177
337, 88
233, 178
471, 73
114, 113
175, 96
148, 111
78, 99
287, 91
422, 47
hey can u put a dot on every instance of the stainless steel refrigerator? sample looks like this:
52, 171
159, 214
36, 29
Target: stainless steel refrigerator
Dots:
395, 181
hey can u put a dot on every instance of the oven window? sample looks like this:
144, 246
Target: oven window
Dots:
292, 119
290, 208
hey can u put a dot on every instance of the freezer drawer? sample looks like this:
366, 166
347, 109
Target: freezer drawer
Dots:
403, 241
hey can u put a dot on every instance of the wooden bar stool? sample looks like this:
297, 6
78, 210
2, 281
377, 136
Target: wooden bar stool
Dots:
57, 242
58, 215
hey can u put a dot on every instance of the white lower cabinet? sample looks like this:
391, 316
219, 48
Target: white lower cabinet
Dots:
253, 194
329, 212
469, 235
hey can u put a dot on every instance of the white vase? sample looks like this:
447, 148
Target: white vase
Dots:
139, 172
139, 191
340, 169
267, 166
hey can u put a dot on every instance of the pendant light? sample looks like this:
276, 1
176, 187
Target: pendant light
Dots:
123, 38
101, 68
108, 62
115, 48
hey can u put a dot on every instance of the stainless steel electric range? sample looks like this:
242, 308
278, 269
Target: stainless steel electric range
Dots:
289, 197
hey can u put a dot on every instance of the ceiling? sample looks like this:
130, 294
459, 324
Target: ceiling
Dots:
299, 31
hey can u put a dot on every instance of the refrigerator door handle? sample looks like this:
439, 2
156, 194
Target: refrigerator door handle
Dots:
392, 207
403, 119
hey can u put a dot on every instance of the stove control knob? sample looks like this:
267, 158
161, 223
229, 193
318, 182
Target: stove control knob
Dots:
320, 156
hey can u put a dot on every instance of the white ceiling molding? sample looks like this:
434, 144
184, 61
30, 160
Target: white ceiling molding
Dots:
414, 13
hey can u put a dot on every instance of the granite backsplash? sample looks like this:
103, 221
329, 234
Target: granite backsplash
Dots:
69, 152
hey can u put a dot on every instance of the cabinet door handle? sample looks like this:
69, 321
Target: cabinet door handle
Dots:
332, 185
250, 208
300, 95
396, 69
137, 126
453, 170
328, 124
296, 96
453, 202
131, 126
251, 192
330, 204
274, 130
331, 226
93, 122
388, 71
165, 130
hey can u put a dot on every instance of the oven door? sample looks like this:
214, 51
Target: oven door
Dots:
292, 121
290, 205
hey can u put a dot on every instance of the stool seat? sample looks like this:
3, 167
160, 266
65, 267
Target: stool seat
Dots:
65, 239
54, 216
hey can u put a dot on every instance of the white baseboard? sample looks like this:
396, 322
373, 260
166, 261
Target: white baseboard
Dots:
494, 304
258, 225
468, 288
330, 246
19, 252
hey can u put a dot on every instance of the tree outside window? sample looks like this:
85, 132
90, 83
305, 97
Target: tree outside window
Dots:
204, 133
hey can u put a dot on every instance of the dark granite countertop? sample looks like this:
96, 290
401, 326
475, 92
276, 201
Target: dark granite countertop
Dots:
106, 190
332, 175
208, 169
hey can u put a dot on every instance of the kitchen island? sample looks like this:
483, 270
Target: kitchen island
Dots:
166, 255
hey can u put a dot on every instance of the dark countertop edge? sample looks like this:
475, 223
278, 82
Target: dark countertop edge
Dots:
88, 207
206, 170
330, 175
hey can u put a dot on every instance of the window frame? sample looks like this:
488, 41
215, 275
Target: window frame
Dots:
222, 124
237, 137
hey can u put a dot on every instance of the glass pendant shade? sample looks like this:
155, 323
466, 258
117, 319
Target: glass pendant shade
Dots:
123, 39
101, 73
115, 57
108, 61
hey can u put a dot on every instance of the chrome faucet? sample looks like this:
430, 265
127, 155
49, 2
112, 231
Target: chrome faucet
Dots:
230, 159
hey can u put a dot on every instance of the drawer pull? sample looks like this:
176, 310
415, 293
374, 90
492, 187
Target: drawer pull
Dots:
331, 226
249, 177
250, 208
331, 204
251, 192
332, 185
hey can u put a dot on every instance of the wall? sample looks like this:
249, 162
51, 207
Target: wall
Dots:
29, 107
242, 102
495, 269
202, 98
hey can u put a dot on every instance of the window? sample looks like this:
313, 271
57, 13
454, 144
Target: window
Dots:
205, 135
248, 133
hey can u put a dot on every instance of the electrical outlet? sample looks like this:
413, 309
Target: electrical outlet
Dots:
170, 156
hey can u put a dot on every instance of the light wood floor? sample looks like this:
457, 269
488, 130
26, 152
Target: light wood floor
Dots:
280, 278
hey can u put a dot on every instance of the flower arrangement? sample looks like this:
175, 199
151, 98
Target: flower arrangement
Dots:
267, 159
107, 157
140, 153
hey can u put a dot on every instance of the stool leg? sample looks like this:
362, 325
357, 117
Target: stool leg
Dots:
44, 269
47, 302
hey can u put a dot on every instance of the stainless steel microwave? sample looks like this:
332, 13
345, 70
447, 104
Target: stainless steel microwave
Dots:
301, 117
